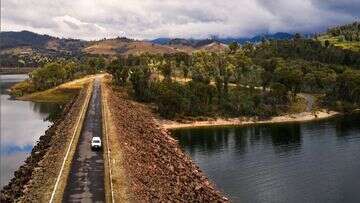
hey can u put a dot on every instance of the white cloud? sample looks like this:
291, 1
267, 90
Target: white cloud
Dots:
94, 19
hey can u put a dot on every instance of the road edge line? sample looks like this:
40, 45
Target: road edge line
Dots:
76, 130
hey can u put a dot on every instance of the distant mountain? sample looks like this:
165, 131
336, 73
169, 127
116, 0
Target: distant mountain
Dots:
34, 48
23, 38
28, 49
240, 40
161, 41
30, 46
42, 43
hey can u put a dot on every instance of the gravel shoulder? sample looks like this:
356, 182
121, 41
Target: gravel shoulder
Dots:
155, 167
116, 181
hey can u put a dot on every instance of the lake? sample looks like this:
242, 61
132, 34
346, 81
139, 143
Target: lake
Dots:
22, 123
297, 162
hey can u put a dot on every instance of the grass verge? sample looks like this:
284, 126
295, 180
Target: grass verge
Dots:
59, 94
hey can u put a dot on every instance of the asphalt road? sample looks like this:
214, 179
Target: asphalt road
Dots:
86, 178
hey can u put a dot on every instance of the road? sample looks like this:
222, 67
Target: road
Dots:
86, 179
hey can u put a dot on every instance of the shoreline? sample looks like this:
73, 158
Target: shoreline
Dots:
242, 121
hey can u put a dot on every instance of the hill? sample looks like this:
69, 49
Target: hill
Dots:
34, 41
23, 38
124, 46
345, 36
28, 49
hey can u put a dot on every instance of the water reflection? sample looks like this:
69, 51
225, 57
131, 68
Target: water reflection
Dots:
284, 138
22, 122
194, 141
346, 125
310, 162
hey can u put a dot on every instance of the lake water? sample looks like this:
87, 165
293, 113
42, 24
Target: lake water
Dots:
22, 123
308, 162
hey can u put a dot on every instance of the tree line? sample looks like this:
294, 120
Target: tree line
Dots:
349, 32
55, 73
306, 49
232, 83
252, 80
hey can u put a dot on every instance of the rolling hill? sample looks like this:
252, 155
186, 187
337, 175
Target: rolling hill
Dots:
29, 49
345, 36
124, 46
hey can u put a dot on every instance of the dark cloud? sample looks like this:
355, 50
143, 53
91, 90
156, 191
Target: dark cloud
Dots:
349, 7
92, 19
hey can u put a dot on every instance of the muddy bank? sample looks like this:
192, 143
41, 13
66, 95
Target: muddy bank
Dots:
298, 117
156, 168
34, 180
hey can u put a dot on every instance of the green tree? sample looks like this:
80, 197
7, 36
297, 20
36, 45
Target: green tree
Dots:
291, 78
48, 76
234, 46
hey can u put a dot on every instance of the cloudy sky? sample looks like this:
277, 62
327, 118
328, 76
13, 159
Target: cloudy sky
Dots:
147, 19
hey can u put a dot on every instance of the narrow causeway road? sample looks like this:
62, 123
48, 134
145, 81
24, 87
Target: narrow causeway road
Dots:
86, 179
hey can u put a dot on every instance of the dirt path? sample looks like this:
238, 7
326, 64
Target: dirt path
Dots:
310, 101
86, 179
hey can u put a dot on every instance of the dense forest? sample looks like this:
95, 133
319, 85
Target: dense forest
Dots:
253, 80
345, 37
349, 32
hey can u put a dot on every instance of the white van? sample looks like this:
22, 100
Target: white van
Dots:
96, 143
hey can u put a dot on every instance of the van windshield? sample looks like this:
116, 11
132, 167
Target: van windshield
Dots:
96, 141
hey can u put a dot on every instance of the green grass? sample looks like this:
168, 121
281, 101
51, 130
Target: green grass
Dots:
22, 88
354, 46
60, 94
56, 95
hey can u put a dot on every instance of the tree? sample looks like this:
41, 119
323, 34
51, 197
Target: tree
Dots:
234, 46
348, 86
290, 77
185, 69
100, 63
119, 71
327, 43
48, 76
268, 67
92, 62
166, 69
140, 79
202, 69
241, 64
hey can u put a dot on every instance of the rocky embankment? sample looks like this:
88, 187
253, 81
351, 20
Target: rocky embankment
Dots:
34, 180
156, 168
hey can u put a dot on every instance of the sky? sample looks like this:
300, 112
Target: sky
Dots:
149, 19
